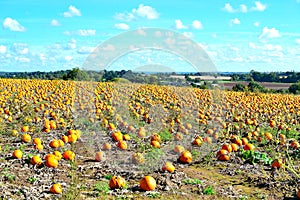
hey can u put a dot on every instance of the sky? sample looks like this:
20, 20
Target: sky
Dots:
237, 35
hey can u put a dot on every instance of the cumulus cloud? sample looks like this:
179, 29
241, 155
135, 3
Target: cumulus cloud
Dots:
12, 25
235, 21
188, 34
68, 58
243, 8
85, 50
19, 48
81, 32
142, 11
258, 6
196, 24
122, 26
22, 59
269, 33
266, 47
256, 24
228, 8
146, 11
179, 24
54, 22
72, 11
2, 49
298, 40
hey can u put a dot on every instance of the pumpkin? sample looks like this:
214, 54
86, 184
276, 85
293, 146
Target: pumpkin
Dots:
17, 154
69, 155
26, 138
148, 183
52, 162
186, 157
106, 146
56, 188
138, 158
36, 160
54, 144
122, 145
168, 166
100, 156
155, 144
117, 182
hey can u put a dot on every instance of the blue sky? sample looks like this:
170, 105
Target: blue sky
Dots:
238, 35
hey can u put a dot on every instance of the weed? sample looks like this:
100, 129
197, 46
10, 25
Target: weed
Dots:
209, 190
193, 181
101, 187
32, 180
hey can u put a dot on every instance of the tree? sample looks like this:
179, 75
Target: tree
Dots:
295, 88
239, 87
255, 87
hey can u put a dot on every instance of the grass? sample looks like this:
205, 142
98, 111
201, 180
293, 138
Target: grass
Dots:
193, 181
10, 177
209, 190
165, 135
101, 187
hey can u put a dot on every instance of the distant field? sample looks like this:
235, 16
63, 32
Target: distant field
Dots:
275, 86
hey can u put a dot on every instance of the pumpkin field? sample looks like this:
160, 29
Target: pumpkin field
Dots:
105, 140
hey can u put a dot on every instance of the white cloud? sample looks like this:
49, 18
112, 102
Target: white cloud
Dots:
68, 58
85, 50
22, 59
54, 22
234, 21
81, 32
266, 47
146, 11
142, 11
24, 51
252, 45
243, 8
179, 24
88, 32
188, 34
72, 11
124, 16
196, 24
258, 7
256, 24
122, 26
298, 40
13, 25
229, 8
3, 49
269, 33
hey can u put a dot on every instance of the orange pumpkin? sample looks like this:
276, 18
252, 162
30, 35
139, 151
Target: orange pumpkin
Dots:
106, 146
186, 157
138, 158
100, 156
168, 166
56, 188
17, 154
52, 162
36, 160
117, 182
69, 155
148, 183
26, 138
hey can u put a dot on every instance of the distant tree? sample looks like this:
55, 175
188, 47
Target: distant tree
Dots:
255, 87
295, 88
239, 87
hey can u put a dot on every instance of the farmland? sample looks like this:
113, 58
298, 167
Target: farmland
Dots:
196, 144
